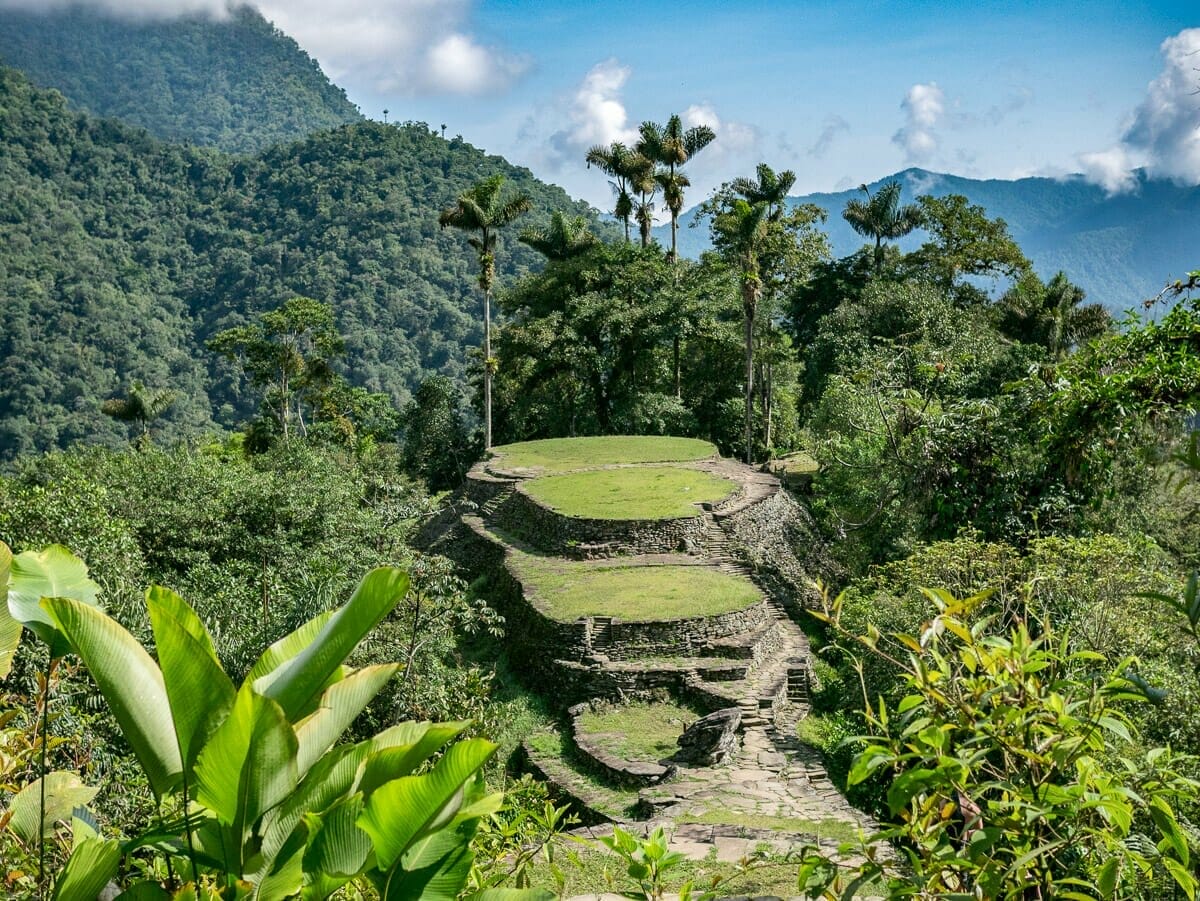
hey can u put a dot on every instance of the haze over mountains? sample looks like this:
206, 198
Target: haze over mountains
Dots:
1120, 248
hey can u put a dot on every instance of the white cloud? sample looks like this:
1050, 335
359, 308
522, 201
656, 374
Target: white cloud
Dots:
1112, 169
412, 47
832, 128
1164, 135
596, 112
924, 107
134, 9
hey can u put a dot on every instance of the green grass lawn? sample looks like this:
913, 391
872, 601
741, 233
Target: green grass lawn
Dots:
642, 733
562, 454
835, 830
653, 492
567, 590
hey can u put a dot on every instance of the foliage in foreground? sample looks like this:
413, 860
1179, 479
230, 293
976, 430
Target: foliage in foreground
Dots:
256, 798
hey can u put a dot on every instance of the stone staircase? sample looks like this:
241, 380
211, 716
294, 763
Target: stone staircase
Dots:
718, 548
495, 502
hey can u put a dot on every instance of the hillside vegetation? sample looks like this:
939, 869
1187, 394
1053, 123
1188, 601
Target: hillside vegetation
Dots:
236, 83
123, 255
1119, 249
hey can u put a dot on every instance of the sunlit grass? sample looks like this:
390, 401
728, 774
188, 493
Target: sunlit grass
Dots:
562, 454
652, 492
568, 590
642, 733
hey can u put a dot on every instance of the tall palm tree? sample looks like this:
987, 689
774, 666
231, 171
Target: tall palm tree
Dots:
566, 238
769, 187
140, 405
741, 227
622, 165
1052, 315
485, 209
672, 146
882, 217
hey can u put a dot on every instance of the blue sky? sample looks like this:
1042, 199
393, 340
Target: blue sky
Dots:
1022, 88
841, 92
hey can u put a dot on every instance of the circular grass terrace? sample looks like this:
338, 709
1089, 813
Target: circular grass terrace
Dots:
639, 733
565, 454
567, 591
650, 492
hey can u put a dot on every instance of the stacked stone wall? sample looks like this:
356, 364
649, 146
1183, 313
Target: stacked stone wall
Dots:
578, 537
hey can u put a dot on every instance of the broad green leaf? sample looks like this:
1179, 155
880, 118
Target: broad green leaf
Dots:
406, 809
285, 881
249, 764
296, 682
10, 628
400, 751
287, 648
435, 869
1164, 819
92, 864
337, 849
341, 703
131, 683
1106, 881
51, 573
199, 692
64, 792
1184, 879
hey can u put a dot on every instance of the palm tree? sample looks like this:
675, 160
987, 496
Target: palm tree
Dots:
882, 217
565, 239
741, 227
769, 188
1052, 315
672, 146
622, 165
483, 208
141, 405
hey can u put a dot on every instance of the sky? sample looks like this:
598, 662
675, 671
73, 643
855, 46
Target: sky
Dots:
840, 92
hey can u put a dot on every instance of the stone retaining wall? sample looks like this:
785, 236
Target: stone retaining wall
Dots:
572, 536
625, 773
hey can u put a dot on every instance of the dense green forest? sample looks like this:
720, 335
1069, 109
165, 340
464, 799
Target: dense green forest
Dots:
236, 83
123, 255
1119, 248
236, 391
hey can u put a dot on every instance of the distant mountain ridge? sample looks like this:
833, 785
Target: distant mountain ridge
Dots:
237, 83
1120, 249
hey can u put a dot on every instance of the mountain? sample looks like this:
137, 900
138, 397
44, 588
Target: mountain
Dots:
1121, 249
121, 255
235, 83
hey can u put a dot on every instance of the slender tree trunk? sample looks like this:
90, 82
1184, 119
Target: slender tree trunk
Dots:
674, 233
487, 369
627, 238
749, 310
769, 397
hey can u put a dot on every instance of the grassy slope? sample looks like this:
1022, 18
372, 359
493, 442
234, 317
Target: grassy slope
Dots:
563, 454
657, 492
567, 591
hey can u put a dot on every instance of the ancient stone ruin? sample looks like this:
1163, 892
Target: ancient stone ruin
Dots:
745, 671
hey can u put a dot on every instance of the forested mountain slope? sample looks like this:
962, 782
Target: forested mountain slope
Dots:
1120, 249
120, 256
238, 83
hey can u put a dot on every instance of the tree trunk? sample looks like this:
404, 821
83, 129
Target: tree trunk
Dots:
487, 369
674, 232
749, 304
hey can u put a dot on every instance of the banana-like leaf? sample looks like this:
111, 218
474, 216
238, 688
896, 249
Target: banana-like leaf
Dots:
287, 648
92, 864
64, 792
286, 881
337, 849
248, 766
339, 706
435, 869
131, 683
400, 750
199, 692
50, 573
297, 682
10, 628
405, 810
